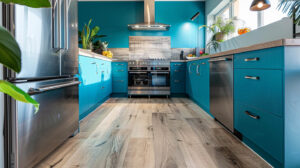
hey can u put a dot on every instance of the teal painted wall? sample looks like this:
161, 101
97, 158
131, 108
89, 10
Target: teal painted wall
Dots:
113, 18
211, 5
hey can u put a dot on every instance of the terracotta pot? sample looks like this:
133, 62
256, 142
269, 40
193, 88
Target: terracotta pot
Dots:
220, 36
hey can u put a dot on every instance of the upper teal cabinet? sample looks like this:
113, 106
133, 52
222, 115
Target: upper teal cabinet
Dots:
267, 104
96, 86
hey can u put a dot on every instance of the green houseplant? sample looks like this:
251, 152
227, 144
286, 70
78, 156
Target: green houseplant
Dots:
219, 29
88, 37
10, 54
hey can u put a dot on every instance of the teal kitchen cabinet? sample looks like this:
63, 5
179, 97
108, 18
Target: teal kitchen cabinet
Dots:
120, 78
96, 84
197, 82
177, 78
267, 105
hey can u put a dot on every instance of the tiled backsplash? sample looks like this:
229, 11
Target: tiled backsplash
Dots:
150, 47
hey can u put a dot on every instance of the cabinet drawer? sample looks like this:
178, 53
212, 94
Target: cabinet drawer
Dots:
177, 86
120, 72
262, 89
120, 85
264, 129
120, 64
271, 58
178, 64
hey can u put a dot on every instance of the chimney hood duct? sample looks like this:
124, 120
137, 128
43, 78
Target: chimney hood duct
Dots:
149, 20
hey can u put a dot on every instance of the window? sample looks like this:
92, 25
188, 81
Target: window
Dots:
272, 14
225, 13
240, 9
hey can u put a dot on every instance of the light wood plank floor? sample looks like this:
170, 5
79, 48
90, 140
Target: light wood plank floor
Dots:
152, 133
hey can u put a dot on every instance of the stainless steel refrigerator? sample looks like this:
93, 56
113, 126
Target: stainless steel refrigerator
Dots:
48, 40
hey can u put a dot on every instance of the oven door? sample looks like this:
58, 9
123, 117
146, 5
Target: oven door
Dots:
138, 79
159, 79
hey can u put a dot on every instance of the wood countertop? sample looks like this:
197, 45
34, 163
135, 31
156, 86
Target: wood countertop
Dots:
277, 43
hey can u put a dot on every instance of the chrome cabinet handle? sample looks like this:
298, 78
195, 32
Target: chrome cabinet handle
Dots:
121, 70
120, 80
120, 64
198, 69
177, 64
203, 63
252, 116
176, 81
176, 71
42, 89
190, 68
251, 59
96, 66
252, 77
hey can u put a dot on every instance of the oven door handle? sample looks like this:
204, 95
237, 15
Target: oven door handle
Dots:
160, 72
138, 72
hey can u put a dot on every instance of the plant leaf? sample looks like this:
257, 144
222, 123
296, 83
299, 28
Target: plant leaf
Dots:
10, 53
95, 31
30, 3
17, 94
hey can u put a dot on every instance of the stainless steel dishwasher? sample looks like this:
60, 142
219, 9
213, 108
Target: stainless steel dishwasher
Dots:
221, 90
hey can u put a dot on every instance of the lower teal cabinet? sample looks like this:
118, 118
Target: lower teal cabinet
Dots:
197, 82
96, 84
267, 104
261, 127
120, 78
177, 77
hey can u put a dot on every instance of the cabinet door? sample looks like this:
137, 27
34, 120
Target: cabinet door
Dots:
88, 75
193, 80
204, 85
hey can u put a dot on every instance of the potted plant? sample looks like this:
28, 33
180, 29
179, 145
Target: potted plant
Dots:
220, 28
88, 37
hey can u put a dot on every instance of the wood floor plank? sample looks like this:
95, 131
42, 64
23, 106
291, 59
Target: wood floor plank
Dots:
140, 153
167, 151
151, 133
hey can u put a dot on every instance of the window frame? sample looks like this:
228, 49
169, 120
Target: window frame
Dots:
230, 5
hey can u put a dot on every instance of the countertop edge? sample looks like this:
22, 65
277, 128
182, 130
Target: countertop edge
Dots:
271, 44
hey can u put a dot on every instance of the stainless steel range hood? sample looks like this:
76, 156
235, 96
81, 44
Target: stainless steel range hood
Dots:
149, 19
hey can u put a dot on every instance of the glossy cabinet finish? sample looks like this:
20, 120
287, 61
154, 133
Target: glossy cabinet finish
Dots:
267, 83
197, 82
271, 58
267, 104
261, 127
178, 72
120, 77
96, 85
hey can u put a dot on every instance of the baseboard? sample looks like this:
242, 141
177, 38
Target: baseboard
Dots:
90, 110
262, 153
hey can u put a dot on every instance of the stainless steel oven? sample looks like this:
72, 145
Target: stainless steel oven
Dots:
149, 77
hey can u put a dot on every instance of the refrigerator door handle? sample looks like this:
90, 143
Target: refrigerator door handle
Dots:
66, 24
42, 89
